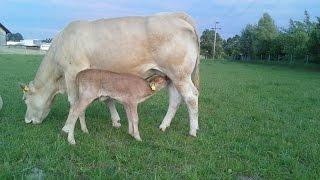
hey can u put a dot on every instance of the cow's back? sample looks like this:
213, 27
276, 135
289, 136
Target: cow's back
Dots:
124, 45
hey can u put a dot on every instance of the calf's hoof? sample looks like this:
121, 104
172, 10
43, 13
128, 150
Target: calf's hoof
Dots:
116, 124
136, 137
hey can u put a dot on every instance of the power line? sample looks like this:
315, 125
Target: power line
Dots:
227, 14
230, 9
243, 11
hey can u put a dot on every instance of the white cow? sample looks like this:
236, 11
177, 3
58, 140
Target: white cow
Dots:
165, 42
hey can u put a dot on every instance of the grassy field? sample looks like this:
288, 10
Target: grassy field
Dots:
21, 51
256, 121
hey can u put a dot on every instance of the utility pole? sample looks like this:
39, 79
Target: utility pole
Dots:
215, 37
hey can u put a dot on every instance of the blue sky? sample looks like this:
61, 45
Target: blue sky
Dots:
45, 18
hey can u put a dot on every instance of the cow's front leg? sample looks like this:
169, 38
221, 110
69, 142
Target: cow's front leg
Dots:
72, 119
114, 113
72, 98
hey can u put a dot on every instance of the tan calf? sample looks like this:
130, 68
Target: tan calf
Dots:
126, 88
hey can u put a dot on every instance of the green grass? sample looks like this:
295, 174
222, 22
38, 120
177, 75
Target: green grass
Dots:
256, 120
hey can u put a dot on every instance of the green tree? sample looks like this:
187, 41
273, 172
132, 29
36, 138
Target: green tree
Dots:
14, 37
314, 41
246, 40
206, 44
307, 22
47, 40
277, 46
296, 44
232, 47
297, 38
266, 33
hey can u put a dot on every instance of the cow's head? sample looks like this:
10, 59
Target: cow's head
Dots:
38, 103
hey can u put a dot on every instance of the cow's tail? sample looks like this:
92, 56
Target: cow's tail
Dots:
195, 73
77, 83
189, 20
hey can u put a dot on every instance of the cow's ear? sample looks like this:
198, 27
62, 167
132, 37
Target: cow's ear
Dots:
25, 88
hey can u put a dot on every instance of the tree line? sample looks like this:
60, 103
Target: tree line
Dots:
14, 37
300, 41
18, 37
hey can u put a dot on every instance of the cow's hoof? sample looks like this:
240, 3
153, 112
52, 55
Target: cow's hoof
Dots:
116, 124
36, 122
28, 121
193, 133
64, 133
163, 127
65, 129
71, 141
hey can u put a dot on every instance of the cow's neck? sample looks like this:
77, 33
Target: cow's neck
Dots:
47, 78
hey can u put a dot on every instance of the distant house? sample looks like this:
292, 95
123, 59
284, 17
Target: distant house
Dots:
31, 42
3, 32
14, 43
45, 46
34, 44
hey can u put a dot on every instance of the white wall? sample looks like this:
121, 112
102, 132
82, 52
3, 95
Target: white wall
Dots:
2, 37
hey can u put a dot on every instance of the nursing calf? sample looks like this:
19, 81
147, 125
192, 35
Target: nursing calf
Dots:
126, 88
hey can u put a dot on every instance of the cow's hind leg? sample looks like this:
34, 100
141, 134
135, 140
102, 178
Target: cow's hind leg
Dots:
114, 113
190, 95
174, 102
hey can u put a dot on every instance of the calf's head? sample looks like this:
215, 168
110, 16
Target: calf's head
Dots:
158, 82
38, 103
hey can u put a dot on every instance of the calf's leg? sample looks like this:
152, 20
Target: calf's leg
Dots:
133, 119
77, 110
114, 113
83, 122
128, 113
